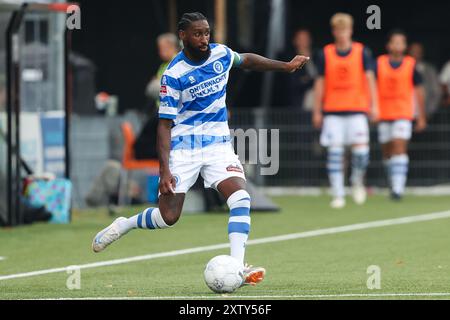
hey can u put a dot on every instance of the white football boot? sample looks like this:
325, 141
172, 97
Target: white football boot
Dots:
253, 275
359, 194
338, 203
107, 236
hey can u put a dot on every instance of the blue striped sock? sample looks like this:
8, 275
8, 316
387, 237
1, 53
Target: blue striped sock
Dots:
150, 219
335, 167
239, 223
360, 162
144, 220
399, 172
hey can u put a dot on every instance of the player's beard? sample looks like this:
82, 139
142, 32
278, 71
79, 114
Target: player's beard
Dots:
198, 54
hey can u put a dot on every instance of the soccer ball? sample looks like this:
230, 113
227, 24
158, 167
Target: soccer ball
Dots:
224, 274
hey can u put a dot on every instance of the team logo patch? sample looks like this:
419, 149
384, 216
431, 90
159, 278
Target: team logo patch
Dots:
163, 91
177, 179
164, 80
218, 67
192, 79
235, 168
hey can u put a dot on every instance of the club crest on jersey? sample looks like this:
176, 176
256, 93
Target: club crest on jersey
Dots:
177, 179
218, 67
192, 80
164, 80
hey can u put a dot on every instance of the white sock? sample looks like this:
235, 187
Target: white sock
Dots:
399, 172
335, 166
148, 219
239, 223
360, 162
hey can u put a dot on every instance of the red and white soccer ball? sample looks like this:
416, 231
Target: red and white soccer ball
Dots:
223, 274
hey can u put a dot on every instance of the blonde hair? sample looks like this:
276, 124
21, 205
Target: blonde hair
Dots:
341, 20
171, 38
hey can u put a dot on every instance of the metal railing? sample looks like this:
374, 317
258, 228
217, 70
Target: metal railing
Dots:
303, 160
96, 139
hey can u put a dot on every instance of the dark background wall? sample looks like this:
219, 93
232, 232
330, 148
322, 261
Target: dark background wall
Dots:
425, 21
120, 37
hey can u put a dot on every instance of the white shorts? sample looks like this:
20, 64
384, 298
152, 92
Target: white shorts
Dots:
216, 163
400, 129
345, 130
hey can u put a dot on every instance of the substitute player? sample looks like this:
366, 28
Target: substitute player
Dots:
194, 138
398, 84
345, 95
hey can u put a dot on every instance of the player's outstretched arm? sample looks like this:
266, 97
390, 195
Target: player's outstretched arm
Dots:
167, 182
252, 61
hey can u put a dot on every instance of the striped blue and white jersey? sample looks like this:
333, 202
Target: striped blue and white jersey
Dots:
193, 95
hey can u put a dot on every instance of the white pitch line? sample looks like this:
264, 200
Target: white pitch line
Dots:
302, 296
292, 236
2, 258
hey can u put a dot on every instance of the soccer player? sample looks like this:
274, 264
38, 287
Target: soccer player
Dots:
398, 84
345, 95
194, 137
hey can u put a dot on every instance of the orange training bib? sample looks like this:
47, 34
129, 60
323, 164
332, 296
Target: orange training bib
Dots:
396, 89
346, 87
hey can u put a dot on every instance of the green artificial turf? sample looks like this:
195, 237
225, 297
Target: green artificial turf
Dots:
413, 258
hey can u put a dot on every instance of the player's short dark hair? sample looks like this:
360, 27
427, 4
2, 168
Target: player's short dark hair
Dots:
188, 18
396, 32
